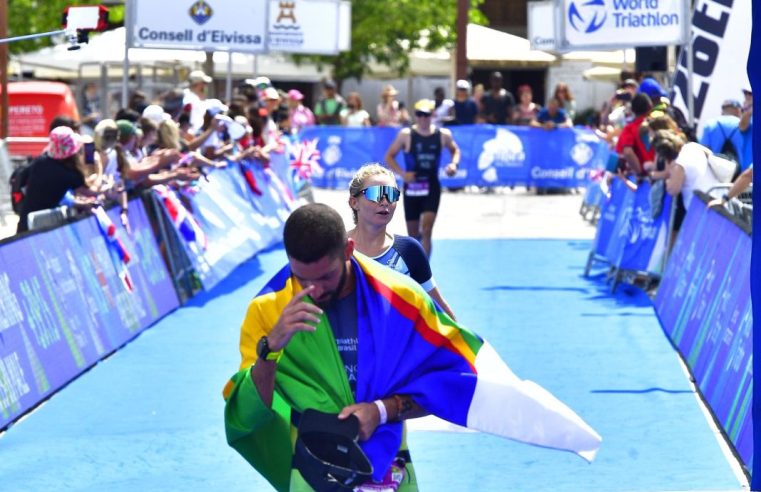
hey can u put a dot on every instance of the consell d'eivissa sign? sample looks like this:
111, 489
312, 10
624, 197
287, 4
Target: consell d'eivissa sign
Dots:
621, 23
234, 25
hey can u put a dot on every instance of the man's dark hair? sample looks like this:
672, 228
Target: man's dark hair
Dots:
127, 114
641, 104
313, 232
63, 120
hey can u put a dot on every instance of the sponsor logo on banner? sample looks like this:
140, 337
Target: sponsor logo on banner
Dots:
504, 150
232, 25
587, 16
332, 154
721, 44
626, 23
200, 12
286, 31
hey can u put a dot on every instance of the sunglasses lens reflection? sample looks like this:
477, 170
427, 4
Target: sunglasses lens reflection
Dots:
376, 193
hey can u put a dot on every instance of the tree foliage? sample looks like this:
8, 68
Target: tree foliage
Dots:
386, 31
39, 16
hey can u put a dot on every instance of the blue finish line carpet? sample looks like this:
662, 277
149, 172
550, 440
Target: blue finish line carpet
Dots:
150, 417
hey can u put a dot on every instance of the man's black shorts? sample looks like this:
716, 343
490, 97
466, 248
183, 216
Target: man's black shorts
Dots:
414, 206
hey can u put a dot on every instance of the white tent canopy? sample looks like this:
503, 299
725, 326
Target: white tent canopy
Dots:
491, 47
108, 49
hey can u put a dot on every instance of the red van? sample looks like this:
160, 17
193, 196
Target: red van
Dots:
31, 107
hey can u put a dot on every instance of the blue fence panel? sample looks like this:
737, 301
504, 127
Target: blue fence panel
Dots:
704, 306
491, 155
646, 235
64, 304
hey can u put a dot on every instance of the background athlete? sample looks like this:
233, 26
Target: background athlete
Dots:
422, 144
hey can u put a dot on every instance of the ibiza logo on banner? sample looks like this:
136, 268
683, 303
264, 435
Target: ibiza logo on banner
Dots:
287, 13
200, 12
587, 16
332, 154
286, 32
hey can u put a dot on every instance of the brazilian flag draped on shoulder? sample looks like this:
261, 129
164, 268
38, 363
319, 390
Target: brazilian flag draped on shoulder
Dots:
406, 345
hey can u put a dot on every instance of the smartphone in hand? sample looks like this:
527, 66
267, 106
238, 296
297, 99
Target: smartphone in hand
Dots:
89, 149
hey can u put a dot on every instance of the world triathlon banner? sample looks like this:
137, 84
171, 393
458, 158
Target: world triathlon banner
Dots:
71, 296
492, 155
704, 306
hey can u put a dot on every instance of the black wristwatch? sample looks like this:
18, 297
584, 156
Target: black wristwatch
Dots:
263, 350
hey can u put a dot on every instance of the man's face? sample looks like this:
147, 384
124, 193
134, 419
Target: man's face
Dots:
327, 275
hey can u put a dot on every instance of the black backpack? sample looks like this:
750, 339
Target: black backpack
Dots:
17, 183
728, 150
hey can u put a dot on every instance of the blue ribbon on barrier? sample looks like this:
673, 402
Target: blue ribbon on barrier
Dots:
704, 306
63, 306
628, 236
491, 155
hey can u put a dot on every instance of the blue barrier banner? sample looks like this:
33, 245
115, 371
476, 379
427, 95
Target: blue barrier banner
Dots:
619, 236
609, 211
492, 155
704, 306
645, 236
63, 305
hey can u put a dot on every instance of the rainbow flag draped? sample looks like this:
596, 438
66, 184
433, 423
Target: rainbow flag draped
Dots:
406, 345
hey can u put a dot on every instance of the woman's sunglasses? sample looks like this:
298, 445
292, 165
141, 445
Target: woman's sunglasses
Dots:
422, 114
376, 193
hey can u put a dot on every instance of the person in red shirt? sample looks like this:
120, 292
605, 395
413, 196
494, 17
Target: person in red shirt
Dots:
631, 147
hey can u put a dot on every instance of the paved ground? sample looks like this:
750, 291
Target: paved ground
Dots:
504, 213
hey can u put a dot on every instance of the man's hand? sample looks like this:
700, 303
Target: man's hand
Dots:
298, 315
451, 169
715, 203
409, 176
368, 415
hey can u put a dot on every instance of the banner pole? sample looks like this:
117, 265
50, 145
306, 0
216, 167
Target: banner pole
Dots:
690, 73
229, 79
128, 26
754, 75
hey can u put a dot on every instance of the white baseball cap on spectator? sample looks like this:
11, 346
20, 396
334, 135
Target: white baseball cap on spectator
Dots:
234, 129
155, 113
198, 76
215, 106
271, 94
463, 85
260, 82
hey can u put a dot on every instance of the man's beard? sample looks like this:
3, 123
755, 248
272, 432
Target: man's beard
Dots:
333, 295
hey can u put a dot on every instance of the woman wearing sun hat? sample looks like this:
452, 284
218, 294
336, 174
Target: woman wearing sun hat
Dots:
58, 170
389, 112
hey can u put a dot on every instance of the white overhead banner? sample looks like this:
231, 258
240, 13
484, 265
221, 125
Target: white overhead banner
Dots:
611, 24
309, 26
213, 25
541, 25
721, 44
